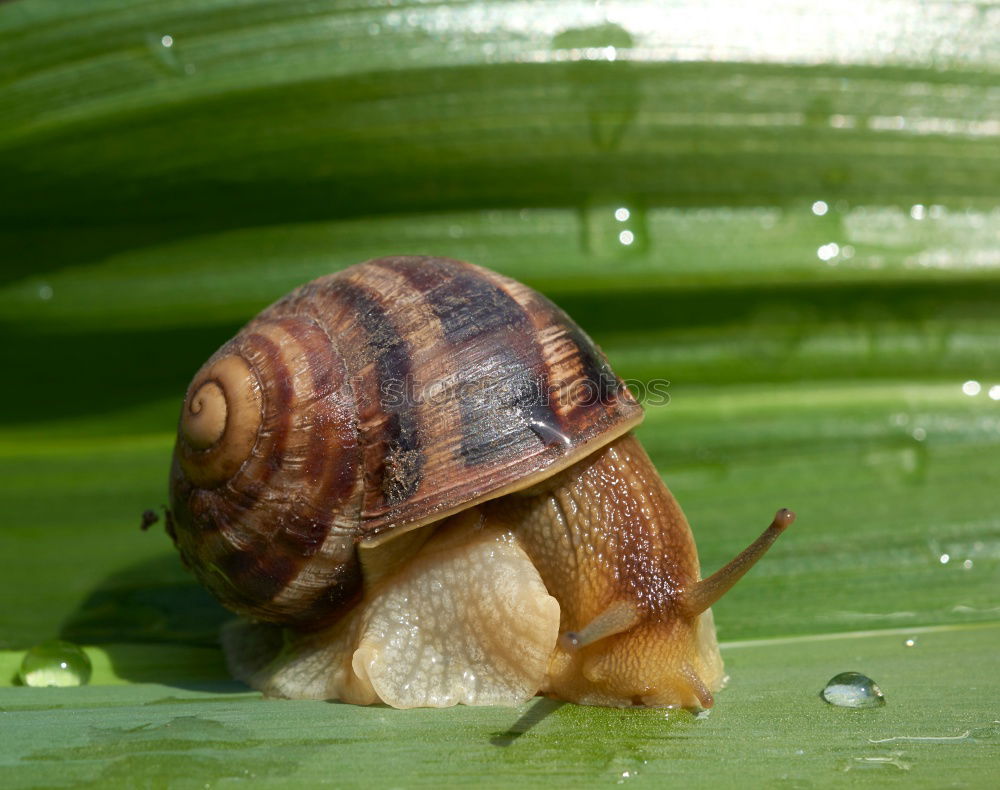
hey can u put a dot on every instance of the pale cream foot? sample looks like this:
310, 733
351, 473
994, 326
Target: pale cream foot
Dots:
467, 620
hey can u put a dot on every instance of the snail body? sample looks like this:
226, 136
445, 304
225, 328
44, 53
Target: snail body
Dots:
416, 479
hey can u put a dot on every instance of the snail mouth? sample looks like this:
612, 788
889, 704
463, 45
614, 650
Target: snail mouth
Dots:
219, 421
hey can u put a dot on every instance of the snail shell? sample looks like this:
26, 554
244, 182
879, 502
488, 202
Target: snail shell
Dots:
364, 404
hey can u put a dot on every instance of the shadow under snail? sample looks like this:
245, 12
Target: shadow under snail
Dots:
417, 481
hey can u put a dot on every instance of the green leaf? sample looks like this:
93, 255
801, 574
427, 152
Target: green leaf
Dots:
790, 213
770, 726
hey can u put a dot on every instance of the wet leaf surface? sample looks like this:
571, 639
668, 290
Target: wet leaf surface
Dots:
789, 214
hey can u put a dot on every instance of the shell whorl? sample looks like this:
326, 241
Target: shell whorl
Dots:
219, 421
204, 420
388, 395
266, 514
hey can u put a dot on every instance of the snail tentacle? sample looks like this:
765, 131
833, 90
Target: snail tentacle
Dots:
700, 596
618, 617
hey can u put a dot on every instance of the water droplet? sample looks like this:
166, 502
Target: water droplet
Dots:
609, 96
819, 208
852, 690
967, 565
55, 663
994, 392
971, 388
918, 212
828, 252
164, 50
919, 434
45, 292
909, 643
613, 229
945, 559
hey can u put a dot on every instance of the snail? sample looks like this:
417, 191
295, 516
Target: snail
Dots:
417, 482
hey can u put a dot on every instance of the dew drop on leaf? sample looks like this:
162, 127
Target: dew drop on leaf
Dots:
852, 690
55, 663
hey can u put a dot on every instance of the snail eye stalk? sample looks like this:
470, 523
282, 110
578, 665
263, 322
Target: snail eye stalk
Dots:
618, 617
706, 592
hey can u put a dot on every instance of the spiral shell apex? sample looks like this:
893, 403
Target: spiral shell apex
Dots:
219, 421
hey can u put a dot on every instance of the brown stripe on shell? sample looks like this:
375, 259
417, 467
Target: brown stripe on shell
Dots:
438, 370
265, 356
257, 572
324, 466
390, 433
502, 387
586, 393
601, 382
306, 350
232, 560
325, 606
332, 477
469, 307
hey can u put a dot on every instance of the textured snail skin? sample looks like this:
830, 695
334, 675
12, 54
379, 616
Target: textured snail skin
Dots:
412, 476
608, 531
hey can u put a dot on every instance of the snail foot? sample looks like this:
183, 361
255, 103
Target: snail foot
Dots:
467, 620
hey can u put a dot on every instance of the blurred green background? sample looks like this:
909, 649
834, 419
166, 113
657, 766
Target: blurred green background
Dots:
789, 210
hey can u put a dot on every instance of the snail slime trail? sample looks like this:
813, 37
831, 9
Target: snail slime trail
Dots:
479, 546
